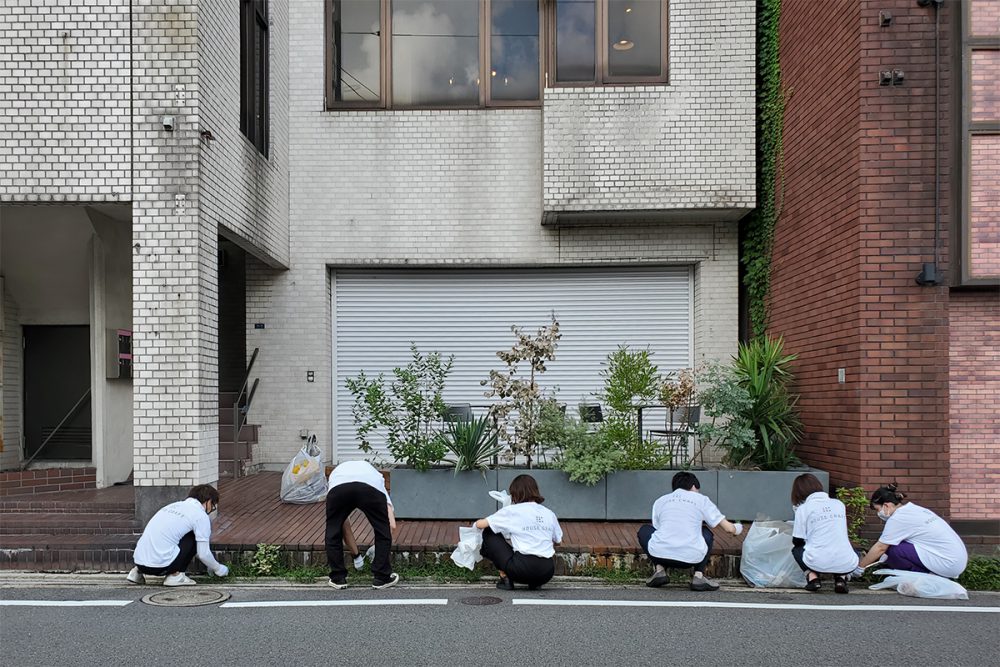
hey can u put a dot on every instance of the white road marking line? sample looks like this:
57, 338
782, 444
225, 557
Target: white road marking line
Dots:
752, 605
65, 603
337, 603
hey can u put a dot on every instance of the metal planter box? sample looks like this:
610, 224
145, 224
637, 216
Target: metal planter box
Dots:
567, 499
442, 494
756, 494
631, 493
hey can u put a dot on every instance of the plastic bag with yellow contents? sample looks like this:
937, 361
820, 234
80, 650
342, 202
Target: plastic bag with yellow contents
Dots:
303, 481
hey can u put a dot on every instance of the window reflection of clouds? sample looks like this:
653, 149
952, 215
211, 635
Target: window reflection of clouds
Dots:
575, 47
435, 52
514, 49
638, 22
360, 52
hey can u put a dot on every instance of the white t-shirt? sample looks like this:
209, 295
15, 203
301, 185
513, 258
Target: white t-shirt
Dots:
938, 546
358, 471
822, 522
531, 528
159, 544
677, 518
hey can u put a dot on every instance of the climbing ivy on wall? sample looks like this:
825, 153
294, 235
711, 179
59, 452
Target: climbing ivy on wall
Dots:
760, 224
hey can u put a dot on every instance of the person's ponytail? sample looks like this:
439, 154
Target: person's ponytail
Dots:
889, 493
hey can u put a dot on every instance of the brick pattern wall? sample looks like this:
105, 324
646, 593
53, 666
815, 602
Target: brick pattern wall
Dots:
174, 259
689, 145
984, 210
904, 398
12, 360
64, 70
424, 188
815, 292
242, 192
857, 224
28, 482
974, 353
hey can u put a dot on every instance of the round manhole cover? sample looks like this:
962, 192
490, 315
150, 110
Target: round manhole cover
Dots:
186, 598
481, 601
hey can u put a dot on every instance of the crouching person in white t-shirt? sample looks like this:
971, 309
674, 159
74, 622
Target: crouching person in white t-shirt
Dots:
678, 537
914, 538
174, 535
533, 531
357, 485
820, 544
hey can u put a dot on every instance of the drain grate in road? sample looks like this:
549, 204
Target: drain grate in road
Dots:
186, 598
481, 600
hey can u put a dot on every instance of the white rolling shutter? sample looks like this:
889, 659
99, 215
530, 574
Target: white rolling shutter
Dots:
468, 314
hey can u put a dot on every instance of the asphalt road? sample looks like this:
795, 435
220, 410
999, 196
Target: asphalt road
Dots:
456, 634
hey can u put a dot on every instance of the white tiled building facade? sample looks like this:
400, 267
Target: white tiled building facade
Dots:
625, 175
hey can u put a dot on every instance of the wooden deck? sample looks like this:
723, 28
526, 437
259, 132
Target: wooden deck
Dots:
96, 529
250, 513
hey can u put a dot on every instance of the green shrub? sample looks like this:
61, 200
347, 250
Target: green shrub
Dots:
474, 443
982, 574
855, 499
754, 415
264, 562
409, 409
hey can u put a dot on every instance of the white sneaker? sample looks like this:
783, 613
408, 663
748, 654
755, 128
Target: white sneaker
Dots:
359, 562
179, 579
135, 576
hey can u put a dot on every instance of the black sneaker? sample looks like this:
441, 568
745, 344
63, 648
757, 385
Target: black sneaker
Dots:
339, 585
814, 585
840, 585
505, 584
379, 584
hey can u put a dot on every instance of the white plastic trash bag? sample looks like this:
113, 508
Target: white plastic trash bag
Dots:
303, 481
501, 497
921, 585
767, 560
470, 541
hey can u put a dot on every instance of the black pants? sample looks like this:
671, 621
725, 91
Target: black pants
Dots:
798, 553
188, 549
646, 532
340, 502
519, 568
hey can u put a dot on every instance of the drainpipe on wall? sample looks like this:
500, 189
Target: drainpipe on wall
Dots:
929, 276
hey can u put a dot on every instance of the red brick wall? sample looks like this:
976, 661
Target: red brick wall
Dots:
815, 293
975, 391
856, 225
49, 479
984, 214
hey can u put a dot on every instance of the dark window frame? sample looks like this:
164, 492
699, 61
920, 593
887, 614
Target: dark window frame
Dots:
602, 76
546, 60
385, 101
966, 43
255, 84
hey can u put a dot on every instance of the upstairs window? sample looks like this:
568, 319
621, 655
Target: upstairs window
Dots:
254, 63
598, 42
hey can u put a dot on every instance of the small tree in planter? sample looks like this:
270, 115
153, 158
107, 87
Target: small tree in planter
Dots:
753, 412
516, 413
409, 409
630, 377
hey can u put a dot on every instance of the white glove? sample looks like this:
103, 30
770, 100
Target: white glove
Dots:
739, 528
858, 571
222, 571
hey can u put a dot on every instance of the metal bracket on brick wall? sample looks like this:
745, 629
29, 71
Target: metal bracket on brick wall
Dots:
180, 203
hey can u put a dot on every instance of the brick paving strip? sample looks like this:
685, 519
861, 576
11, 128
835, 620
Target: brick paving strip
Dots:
95, 529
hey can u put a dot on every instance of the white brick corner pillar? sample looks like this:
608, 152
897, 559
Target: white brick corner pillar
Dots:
174, 266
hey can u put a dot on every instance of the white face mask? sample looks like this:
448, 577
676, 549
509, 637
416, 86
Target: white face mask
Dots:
882, 514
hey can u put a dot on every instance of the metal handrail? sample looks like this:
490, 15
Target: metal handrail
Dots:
240, 413
69, 415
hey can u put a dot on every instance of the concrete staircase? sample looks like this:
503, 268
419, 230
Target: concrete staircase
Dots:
235, 450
